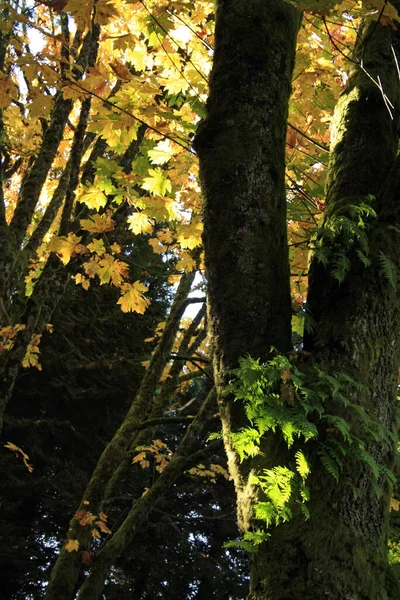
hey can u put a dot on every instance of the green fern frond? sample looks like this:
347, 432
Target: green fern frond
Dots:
341, 266
302, 466
389, 269
331, 464
363, 257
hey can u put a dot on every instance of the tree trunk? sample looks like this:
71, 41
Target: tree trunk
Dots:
340, 552
241, 146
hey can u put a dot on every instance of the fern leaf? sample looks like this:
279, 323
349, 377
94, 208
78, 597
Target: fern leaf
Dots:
389, 269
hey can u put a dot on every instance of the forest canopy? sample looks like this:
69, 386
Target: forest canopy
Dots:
198, 299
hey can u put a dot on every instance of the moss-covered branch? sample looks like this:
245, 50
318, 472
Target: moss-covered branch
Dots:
66, 569
182, 460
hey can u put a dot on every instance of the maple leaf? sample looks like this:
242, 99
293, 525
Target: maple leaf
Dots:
66, 246
121, 71
139, 222
92, 267
31, 358
186, 262
141, 459
115, 248
103, 527
97, 246
158, 183
98, 223
72, 545
8, 90
105, 9
132, 298
82, 280
189, 235
162, 153
85, 517
81, 11
92, 197
112, 270
158, 248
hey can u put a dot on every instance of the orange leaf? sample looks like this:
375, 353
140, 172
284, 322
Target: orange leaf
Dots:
72, 546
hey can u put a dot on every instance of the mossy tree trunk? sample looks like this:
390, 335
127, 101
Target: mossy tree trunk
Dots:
340, 552
241, 146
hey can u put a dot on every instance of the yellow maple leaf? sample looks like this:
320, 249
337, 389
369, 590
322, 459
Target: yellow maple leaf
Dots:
72, 546
158, 183
157, 246
115, 248
96, 533
81, 11
189, 236
97, 246
112, 270
8, 90
66, 246
186, 262
139, 56
141, 459
92, 197
91, 267
139, 222
132, 298
82, 280
98, 223
103, 527
162, 153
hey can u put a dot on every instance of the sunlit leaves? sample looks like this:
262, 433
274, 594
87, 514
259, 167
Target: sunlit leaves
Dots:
132, 298
157, 182
161, 153
139, 222
92, 197
66, 247
98, 223
111, 269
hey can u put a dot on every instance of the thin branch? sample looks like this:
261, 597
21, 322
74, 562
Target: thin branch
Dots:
310, 139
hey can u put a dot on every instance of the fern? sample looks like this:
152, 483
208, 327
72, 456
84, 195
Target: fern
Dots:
331, 464
341, 266
389, 269
302, 466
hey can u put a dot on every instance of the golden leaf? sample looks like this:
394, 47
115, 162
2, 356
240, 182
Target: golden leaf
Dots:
72, 546
112, 269
98, 223
132, 299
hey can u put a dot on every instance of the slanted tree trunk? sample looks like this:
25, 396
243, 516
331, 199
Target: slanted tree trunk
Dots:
340, 552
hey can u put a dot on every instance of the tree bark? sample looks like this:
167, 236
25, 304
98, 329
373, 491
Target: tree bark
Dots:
241, 146
340, 552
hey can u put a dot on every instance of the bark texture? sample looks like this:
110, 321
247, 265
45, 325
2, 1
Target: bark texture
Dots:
339, 554
241, 146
